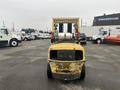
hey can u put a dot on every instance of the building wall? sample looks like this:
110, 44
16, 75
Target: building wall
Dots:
105, 20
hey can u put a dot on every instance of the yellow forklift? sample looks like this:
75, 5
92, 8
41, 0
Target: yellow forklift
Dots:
66, 57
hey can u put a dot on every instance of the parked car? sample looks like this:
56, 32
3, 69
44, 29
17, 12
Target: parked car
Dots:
83, 38
47, 36
113, 39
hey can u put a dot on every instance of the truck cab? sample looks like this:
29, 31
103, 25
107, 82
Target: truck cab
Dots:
27, 35
9, 39
100, 37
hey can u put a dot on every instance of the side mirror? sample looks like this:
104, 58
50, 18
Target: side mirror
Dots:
7, 33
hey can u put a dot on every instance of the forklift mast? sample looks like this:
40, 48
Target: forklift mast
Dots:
65, 30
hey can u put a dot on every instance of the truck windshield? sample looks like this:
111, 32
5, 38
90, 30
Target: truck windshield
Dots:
3, 31
66, 55
102, 32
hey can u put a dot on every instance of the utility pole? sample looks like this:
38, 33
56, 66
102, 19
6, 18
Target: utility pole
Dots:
3, 24
13, 27
47, 29
81, 22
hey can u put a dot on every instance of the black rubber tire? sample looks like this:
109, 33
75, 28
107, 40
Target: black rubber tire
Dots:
25, 39
36, 37
49, 73
82, 76
83, 43
13, 43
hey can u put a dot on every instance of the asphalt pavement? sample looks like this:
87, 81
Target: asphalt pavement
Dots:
24, 68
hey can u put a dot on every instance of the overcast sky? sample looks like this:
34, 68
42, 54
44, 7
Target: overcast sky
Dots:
38, 13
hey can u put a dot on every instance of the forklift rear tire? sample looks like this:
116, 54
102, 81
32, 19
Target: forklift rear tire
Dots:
82, 76
49, 73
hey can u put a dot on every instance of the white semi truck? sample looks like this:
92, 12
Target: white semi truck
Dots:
9, 39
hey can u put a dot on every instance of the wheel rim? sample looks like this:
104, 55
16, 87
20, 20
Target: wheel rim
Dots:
14, 43
98, 41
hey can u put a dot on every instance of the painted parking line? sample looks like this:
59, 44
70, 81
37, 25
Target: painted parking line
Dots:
76, 87
30, 46
36, 59
3, 57
33, 60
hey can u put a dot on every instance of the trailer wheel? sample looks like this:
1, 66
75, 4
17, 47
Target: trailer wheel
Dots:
13, 43
49, 73
82, 75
